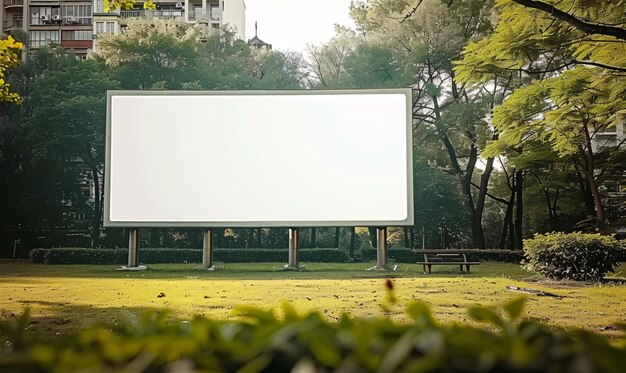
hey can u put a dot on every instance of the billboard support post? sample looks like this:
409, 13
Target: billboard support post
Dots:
207, 250
294, 260
133, 248
381, 248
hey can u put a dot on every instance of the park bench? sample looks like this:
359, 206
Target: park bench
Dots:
446, 257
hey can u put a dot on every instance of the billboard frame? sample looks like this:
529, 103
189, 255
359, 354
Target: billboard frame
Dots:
408, 221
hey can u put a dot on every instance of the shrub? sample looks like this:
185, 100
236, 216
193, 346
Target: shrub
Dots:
37, 255
262, 341
575, 256
169, 255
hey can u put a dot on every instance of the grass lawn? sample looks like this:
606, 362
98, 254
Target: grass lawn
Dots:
65, 298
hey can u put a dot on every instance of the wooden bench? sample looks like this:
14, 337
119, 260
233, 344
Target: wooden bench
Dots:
446, 257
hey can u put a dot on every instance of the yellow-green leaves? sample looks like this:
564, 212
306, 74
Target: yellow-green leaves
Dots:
9, 58
568, 81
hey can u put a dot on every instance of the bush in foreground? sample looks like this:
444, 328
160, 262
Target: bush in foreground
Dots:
264, 342
574, 256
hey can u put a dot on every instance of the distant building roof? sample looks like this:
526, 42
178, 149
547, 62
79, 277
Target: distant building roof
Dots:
256, 42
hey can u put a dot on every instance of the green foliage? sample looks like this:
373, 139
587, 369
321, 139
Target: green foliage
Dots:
575, 256
264, 341
168, 255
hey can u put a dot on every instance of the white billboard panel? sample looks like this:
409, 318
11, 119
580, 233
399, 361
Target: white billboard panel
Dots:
258, 158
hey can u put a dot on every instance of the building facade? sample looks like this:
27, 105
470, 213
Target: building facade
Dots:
75, 24
209, 14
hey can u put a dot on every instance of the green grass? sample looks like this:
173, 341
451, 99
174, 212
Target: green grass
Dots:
66, 298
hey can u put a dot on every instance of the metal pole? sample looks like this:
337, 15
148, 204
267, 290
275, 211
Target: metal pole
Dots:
133, 248
294, 237
207, 249
381, 248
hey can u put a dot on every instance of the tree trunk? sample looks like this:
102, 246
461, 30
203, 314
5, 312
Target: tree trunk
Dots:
405, 231
250, 239
352, 241
597, 199
313, 237
480, 200
337, 233
373, 236
508, 218
259, 238
519, 177
95, 221
155, 237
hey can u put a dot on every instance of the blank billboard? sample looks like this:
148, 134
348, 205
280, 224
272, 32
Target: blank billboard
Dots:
258, 158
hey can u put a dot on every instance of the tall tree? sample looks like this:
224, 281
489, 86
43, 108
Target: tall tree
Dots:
426, 36
571, 58
67, 125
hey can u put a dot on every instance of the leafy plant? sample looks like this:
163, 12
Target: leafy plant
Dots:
268, 341
576, 256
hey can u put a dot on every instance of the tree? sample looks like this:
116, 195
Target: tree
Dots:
149, 53
326, 63
572, 68
9, 58
67, 126
426, 37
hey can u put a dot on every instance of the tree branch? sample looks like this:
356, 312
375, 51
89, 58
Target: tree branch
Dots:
584, 26
492, 196
598, 64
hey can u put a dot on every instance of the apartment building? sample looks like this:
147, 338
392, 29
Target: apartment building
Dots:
209, 14
64, 22
75, 24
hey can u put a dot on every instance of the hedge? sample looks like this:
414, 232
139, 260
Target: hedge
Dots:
405, 255
262, 341
168, 255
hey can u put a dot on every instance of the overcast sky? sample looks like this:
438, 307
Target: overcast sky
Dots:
291, 24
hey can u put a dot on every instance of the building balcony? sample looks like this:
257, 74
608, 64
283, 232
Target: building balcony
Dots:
12, 24
213, 15
153, 14
80, 44
13, 3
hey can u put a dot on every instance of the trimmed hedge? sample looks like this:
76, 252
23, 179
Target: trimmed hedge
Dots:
405, 255
262, 341
85, 256
575, 256
154, 256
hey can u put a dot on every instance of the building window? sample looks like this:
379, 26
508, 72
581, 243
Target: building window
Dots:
215, 11
37, 12
39, 38
105, 28
76, 14
77, 35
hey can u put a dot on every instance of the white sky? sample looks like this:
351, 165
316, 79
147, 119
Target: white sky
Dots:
291, 24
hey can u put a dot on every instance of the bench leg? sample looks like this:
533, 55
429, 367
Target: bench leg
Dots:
461, 268
468, 268
425, 270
